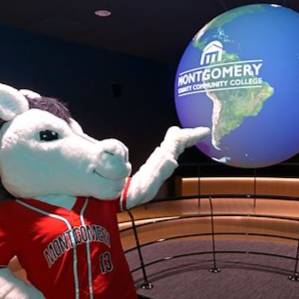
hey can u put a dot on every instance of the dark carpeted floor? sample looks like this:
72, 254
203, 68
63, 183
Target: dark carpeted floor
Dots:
243, 276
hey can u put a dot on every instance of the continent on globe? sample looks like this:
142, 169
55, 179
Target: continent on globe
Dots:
231, 106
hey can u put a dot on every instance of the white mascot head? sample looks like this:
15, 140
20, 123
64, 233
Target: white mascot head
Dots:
44, 151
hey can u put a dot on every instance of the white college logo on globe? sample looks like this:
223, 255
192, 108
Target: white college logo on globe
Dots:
238, 76
212, 53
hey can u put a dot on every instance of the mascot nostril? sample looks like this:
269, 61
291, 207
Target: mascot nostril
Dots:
67, 188
114, 147
109, 153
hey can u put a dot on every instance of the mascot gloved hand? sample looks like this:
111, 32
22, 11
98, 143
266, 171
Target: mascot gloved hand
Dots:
65, 191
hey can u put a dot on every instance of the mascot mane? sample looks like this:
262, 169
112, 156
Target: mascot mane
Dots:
51, 105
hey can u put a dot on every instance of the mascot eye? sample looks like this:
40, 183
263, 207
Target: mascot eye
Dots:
48, 135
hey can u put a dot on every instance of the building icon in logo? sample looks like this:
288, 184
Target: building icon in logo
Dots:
212, 53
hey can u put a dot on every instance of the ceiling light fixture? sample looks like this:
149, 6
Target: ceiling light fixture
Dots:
102, 13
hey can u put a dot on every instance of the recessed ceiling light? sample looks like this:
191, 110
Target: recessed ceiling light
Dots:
102, 13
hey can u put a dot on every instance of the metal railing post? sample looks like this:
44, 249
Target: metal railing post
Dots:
295, 275
146, 284
254, 188
198, 187
214, 269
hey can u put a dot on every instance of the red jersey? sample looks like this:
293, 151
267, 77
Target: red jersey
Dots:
73, 253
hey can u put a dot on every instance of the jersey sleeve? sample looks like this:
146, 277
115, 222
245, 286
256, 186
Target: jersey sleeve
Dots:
6, 246
124, 196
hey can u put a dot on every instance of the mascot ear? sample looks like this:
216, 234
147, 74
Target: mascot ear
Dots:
12, 102
30, 94
75, 126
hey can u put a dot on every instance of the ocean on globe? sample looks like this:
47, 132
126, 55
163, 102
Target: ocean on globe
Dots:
239, 76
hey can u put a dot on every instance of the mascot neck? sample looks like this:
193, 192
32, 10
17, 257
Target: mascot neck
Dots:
64, 201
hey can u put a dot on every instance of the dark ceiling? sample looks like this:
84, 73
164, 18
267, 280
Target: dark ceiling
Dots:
158, 29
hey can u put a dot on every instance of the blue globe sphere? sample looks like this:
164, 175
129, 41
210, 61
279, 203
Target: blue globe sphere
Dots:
240, 77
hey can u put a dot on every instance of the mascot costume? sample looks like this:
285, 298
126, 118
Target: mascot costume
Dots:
65, 191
